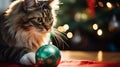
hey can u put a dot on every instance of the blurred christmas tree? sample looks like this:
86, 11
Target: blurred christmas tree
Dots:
90, 24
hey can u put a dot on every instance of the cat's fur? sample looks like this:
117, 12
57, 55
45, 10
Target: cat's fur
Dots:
28, 23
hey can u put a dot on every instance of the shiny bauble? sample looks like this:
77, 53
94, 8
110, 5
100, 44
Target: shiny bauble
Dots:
48, 56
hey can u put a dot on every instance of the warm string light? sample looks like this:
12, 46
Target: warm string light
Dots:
100, 56
108, 4
63, 28
80, 16
95, 26
99, 32
100, 4
69, 35
66, 27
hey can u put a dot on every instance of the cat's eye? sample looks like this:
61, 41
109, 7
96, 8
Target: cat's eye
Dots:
39, 19
47, 19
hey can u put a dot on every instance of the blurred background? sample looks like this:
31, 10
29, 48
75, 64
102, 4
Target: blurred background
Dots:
4, 5
88, 25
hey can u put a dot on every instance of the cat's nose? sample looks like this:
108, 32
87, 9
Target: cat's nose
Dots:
45, 26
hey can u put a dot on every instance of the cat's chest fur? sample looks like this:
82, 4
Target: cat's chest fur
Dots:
32, 39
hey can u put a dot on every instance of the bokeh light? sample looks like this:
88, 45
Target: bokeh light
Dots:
100, 4
66, 27
109, 5
100, 56
80, 16
61, 29
69, 34
99, 32
95, 26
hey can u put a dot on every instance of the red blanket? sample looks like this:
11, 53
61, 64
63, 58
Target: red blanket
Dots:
70, 63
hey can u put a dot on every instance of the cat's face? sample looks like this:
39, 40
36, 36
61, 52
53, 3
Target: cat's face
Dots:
39, 16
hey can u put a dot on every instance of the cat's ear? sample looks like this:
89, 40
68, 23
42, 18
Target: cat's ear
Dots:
46, 0
43, 3
29, 5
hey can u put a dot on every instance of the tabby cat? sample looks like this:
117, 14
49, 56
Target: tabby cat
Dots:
24, 27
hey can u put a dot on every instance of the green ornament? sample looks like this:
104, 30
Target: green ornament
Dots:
48, 56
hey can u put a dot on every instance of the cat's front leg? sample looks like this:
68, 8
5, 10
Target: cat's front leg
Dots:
20, 55
28, 59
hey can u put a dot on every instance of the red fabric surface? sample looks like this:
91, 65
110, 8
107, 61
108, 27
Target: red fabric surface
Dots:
69, 63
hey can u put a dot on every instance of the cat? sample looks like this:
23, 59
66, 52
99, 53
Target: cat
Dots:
24, 27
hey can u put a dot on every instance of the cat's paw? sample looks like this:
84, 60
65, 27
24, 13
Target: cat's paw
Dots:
28, 59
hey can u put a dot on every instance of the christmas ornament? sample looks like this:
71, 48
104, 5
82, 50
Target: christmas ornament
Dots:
77, 37
114, 24
48, 56
91, 6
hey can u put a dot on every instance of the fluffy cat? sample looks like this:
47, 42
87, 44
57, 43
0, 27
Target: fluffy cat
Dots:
26, 26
